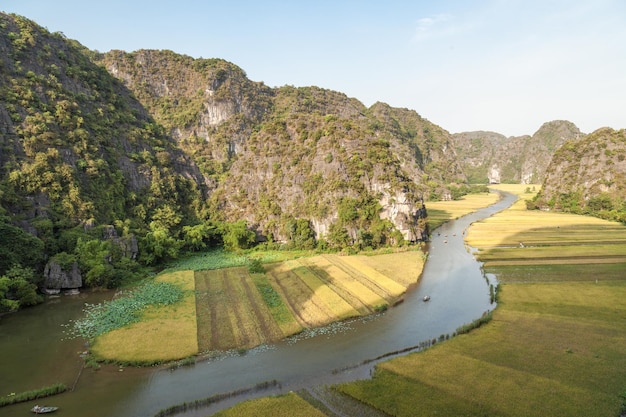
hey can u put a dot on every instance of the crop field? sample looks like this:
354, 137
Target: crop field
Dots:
556, 344
231, 311
557, 341
522, 245
164, 333
238, 310
231, 308
551, 349
282, 406
441, 211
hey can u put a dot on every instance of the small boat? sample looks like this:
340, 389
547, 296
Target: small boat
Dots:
43, 410
426, 298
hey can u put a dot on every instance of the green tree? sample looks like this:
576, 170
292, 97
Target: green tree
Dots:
158, 246
94, 258
237, 236
199, 236
301, 234
17, 289
18, 247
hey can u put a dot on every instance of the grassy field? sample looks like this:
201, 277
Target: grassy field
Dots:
556, 345
165, 333
441, 211
231, 308
282, 406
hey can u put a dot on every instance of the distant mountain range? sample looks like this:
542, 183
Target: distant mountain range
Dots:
491, 157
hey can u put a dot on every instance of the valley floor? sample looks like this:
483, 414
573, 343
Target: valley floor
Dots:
556, 344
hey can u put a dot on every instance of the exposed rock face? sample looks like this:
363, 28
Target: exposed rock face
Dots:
409, 218
55, 278
127, 244
272, 154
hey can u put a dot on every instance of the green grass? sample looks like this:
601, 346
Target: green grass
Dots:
20, 397
220, 258
549, 350
281, 406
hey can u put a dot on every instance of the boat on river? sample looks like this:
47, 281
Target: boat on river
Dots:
43, 410
426, 298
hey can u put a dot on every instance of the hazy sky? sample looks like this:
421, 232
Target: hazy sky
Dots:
505, 66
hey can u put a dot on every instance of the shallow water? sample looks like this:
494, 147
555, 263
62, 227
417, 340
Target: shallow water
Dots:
33, 354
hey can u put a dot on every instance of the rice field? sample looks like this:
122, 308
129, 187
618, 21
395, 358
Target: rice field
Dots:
231, 308
519, 237
282, 406
165, 333
239, 310
441, 211
556, 344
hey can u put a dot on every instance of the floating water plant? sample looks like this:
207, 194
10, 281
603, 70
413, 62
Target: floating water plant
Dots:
110, 315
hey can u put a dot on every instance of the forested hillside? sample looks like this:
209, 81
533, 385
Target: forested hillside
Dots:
276, 155
491, 157
112, 162
588, 176
90, 185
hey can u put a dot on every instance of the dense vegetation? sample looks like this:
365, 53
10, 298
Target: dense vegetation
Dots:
115, 162
78, 154
588, 176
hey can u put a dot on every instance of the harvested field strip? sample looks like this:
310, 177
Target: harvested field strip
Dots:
203, 312
338, 306
248, 325
280, 312
354, 265
266, 327
356, 303
341, 278
232, 310
309, 311
222, 318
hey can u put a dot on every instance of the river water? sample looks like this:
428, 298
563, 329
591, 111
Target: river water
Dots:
33, 352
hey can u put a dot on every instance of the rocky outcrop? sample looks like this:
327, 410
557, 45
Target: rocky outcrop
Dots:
588, 175
407, 216
57, 279
127, 244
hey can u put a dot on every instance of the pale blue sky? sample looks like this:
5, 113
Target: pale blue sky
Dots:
501, 65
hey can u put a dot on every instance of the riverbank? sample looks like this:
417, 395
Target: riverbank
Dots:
232, 308
556, 344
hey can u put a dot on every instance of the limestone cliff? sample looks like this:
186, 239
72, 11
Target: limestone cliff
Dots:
270, 154
491, 157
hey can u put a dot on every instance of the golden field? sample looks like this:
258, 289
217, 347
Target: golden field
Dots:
556, 345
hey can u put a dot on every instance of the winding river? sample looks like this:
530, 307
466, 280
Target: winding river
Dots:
34, 354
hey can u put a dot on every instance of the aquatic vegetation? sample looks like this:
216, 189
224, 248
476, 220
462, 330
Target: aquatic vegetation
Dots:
14, 398
110, 315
